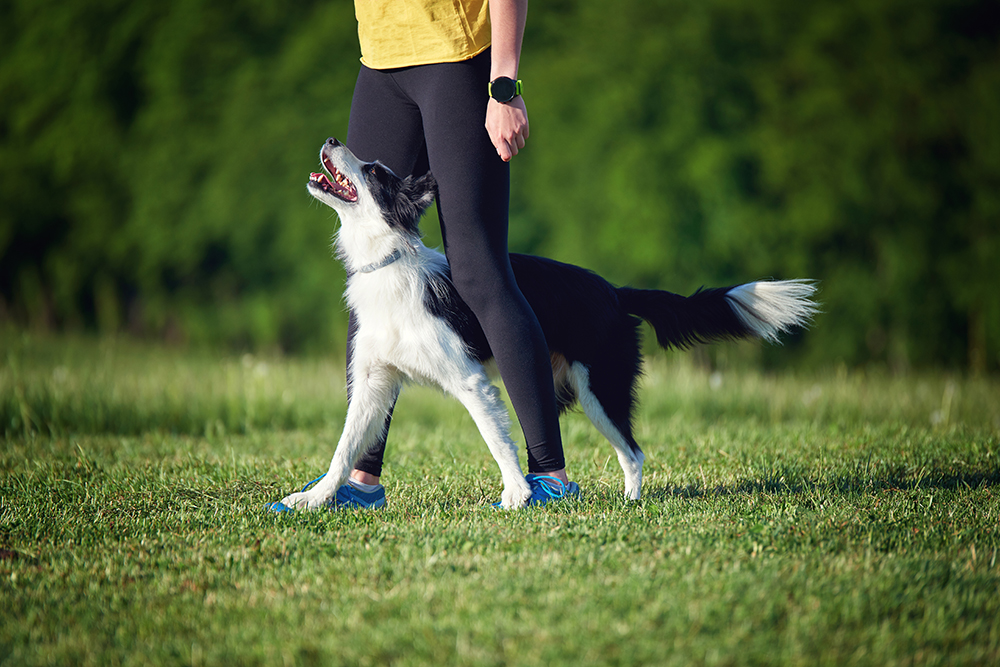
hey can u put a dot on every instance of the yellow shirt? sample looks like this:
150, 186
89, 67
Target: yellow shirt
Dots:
401, 33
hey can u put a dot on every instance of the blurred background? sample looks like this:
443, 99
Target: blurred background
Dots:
154, 156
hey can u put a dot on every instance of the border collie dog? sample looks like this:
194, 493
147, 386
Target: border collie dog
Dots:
413, 327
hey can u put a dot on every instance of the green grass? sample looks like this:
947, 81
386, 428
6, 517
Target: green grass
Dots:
838, 518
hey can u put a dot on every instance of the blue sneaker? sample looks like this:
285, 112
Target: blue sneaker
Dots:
546, 488
350, 496
347, 497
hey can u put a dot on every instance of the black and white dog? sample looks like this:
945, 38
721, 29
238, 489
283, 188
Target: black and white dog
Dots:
413, 327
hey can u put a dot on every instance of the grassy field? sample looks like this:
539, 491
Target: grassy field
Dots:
832, 519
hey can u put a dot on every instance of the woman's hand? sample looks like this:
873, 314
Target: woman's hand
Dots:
507, 124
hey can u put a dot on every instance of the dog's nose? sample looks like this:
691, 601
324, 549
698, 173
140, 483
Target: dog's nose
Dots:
333, 142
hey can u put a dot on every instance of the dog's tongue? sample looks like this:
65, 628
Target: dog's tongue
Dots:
324, 182
339, 187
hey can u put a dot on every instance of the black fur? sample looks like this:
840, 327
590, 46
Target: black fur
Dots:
591, 327
402, 200
587, 319
584, 317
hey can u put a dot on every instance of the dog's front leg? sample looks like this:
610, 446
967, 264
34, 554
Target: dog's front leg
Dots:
483, 402
373, 392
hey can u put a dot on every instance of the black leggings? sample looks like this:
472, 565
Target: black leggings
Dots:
433, 116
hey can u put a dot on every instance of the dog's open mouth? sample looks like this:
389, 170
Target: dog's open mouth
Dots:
339, 187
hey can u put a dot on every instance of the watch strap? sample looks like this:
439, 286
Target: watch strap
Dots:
517, 88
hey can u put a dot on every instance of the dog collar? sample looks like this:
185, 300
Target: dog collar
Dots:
384, 262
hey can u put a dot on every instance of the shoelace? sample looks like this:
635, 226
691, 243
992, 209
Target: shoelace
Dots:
546, 488
312, 482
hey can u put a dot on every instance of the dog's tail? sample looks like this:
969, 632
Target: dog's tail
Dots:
762, 309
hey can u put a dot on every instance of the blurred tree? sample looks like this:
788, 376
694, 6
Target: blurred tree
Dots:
845, 141
153, 158
153, 161
67, 105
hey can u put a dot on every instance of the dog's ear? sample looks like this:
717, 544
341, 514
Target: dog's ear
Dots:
421, 191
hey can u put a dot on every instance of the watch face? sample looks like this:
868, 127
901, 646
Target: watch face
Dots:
502, 89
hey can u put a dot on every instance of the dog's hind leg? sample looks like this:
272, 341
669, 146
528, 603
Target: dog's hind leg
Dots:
373, 392
488, 411
617, 429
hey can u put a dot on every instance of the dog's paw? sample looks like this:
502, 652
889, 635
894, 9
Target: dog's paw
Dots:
633, 488
632, 467
304, 501
515, 497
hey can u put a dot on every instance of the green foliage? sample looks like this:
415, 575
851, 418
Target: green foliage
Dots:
715, 142
152, 161
154, 164
810, 520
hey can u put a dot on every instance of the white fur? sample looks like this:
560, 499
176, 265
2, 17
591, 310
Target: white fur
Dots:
629, 459
772, 307
399, 341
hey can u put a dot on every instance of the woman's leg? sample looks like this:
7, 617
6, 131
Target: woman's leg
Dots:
386, 126
473, 202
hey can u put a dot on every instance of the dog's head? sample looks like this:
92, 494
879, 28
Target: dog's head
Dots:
362, 192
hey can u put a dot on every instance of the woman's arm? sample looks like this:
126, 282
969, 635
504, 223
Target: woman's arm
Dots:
507, 123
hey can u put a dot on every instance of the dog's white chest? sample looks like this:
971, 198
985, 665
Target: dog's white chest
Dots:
395, 328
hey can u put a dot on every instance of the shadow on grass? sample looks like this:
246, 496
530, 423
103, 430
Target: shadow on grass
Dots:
792, 482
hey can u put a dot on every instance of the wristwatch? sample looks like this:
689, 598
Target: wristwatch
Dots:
503, 89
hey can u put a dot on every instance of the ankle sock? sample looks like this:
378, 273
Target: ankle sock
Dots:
364, 488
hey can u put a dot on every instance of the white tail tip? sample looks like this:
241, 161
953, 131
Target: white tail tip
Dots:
769, 308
